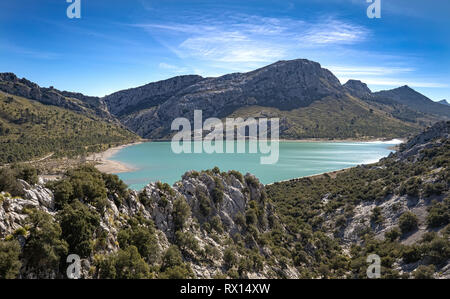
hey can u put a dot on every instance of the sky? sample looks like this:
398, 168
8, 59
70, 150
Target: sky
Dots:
120, 44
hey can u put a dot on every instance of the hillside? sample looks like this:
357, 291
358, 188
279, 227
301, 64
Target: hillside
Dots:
309, 100
411, 98
213, 224
399, 107
30, 130
9, 83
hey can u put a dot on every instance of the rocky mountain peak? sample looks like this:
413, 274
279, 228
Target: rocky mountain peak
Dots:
357, 88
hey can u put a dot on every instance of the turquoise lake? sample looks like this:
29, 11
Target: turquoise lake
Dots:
155, 161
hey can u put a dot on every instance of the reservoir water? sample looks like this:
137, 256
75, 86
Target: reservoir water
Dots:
155, 161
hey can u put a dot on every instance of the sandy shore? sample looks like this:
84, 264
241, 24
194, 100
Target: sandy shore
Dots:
104, 164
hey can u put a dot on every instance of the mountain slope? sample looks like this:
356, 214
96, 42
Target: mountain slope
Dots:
9, 83
292, 90
398, 109
411, 98
29, 130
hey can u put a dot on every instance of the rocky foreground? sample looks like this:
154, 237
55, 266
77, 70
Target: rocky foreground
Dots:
213, 224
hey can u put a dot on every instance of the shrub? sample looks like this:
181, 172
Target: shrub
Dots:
8, 182
186, 240
393, 234
172, 257
439, 213
216, 224
78, 224
229, 258
125, 264
181, 212
143, 238
9, 259
173, 266
376, 216
424, 272
44, 248
26, 173
407, 222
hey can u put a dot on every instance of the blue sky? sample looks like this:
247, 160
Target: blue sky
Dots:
123, 44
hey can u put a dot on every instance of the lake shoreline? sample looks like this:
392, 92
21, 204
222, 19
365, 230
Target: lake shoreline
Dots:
105, 164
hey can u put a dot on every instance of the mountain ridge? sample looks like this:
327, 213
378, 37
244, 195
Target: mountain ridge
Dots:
291, 90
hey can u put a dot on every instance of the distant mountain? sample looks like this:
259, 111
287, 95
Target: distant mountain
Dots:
390, 104
309, 100
444, 102
408, 96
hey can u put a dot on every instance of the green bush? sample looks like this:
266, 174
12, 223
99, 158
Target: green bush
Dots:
8, 182
407, 222
125, 264
173, 266
229, 258
424, 272
439, 213
44, 248
181, 212
9, 259
78, 224
143, 238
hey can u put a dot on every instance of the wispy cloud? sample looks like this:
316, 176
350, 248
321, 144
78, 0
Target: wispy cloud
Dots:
368, 70
173, 68
395, 82
246, 40
26, 52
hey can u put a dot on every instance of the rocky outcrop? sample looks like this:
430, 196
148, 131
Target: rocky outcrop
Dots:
432, 136
357, 88
215, 201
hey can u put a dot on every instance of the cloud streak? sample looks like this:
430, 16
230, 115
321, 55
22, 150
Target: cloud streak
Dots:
252, 39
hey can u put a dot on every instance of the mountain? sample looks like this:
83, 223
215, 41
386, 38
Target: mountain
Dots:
444, 102
11, 84
308, 99
396, 103
214, 224
357, 88
411, 98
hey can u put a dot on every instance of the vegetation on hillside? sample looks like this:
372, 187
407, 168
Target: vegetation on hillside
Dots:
31, 130
333, 119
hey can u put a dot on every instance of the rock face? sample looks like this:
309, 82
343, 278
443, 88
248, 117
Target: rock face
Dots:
131, 100
358, 88
440, 130
216, 204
